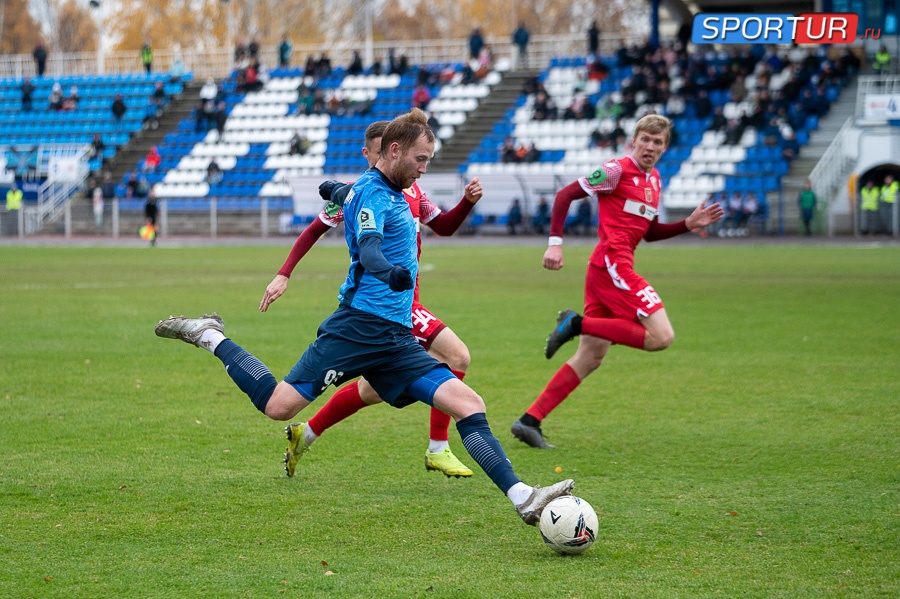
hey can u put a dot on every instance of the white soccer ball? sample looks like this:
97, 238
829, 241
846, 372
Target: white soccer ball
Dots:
569, 525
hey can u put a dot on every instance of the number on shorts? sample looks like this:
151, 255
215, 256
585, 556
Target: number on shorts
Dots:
649, 296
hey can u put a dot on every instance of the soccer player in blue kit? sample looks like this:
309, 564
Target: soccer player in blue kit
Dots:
370, 333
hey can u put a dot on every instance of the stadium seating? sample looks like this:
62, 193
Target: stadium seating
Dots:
92, 114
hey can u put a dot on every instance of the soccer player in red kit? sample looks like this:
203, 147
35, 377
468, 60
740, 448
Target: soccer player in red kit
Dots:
619, 305
432, 334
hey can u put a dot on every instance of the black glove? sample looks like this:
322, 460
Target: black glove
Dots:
326, 188
400, 279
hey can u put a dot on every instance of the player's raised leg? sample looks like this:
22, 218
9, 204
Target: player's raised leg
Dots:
278, 401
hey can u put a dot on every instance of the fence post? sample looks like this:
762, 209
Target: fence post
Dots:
264, 214
115, 218
213, 217
68, 220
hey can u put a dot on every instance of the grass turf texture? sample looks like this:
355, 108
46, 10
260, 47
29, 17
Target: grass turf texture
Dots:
757, 457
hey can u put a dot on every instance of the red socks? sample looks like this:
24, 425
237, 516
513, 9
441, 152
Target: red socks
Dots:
560, 387
344, 403
440, 421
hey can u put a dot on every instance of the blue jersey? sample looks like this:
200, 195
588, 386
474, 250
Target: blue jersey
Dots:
377, 207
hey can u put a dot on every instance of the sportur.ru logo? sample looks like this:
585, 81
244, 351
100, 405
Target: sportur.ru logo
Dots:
756, 28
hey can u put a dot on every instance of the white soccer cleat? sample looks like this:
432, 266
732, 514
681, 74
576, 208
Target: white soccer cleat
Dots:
530, 510
189, 330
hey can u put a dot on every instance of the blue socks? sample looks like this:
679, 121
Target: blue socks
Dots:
248, 373
485, 449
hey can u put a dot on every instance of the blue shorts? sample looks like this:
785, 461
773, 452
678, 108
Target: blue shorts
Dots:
352, 343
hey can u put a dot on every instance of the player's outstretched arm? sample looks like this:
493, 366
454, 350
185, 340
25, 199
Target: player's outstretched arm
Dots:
302, 245
448, 223
703, 216
553, 257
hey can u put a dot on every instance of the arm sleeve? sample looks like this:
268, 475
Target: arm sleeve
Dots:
372, 259
304, 242
448, 223
564, 199
659, 231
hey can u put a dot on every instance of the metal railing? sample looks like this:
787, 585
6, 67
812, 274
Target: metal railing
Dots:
875, 84
832, 171
218, 62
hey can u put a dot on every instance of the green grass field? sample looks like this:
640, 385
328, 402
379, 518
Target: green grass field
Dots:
759, 456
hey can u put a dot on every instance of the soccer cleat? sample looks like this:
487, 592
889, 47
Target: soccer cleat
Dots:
562, 333
530, 510
530, 435
296, 446
189, 329
447, 463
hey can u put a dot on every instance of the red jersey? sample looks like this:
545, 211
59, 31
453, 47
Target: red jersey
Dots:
628, 202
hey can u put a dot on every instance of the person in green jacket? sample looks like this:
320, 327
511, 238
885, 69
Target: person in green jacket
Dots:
13, 205
888, 200
147, 56
882, 64
807, 201
869, 200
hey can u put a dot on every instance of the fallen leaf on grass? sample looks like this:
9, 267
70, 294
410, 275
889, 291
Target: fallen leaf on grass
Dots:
329, 573
731, 514
324, 563
48, 578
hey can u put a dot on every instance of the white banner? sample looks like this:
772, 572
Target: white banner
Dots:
63, 168
882, 107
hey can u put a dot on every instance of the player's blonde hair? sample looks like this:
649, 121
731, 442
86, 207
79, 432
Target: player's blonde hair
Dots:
406, 130
654, 124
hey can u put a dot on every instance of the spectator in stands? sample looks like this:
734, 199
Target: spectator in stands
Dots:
618, 137
870, 198
119, 109
253, 50
476, 43
596, 69
323, 66
544, 107
285, 48
520, 38
299, 144
376, 68
433, 123
250, 81
147, 56
27, 93
772, 133
150, 212
220, 117
629, 105
105, 193
71, 101
305, 99
734, 131
13, 205
790, 147
214, 172
508, 151
607, 108
750, 208
40, 57
402, 65
675, 106
806, 199
580, 109
514, 217
882, 64
152, 160
159, 97
734, 210
311, 65
888, 199
210, 90
132, 186
531, 85
541, 218
797, 117
176, 71
55, 99
421, 97
484, 63
702, 105
531, 154
593, 36
737, 90
95, 150
356, 65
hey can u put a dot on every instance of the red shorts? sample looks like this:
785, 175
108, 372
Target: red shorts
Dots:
618, 292
425, 325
